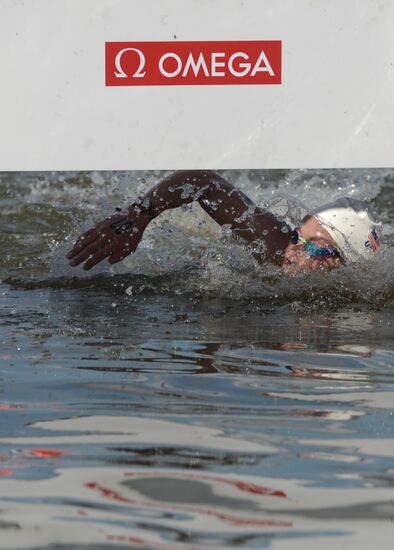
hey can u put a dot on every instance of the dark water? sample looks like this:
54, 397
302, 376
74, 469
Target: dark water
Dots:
188, 398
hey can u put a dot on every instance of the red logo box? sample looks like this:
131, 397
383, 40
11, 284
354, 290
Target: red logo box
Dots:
193, 63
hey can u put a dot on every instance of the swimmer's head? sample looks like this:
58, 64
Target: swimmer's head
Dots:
343, 231
352, 224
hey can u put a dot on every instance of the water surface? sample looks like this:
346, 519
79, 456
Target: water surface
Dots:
189, 398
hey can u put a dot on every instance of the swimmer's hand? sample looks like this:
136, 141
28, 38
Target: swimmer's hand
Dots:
114, 238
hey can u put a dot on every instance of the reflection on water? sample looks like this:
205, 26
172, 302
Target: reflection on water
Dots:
209, 428
138, 412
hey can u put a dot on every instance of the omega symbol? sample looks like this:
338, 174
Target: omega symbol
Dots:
119, 73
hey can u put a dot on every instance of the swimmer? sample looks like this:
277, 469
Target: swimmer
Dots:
335, 234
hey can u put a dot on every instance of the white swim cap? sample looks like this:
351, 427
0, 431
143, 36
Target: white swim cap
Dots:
351, 223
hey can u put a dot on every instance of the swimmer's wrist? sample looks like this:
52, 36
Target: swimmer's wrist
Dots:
143, 209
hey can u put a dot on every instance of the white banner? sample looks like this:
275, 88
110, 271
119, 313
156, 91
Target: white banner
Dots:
333, 108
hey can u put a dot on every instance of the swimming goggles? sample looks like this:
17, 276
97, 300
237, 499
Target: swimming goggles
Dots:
312, 249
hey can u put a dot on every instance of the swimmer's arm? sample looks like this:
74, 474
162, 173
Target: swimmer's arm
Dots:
119, 235
226, 204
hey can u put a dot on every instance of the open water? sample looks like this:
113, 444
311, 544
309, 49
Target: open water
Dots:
189, 398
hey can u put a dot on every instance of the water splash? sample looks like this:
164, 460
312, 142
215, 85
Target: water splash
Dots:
184, 251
